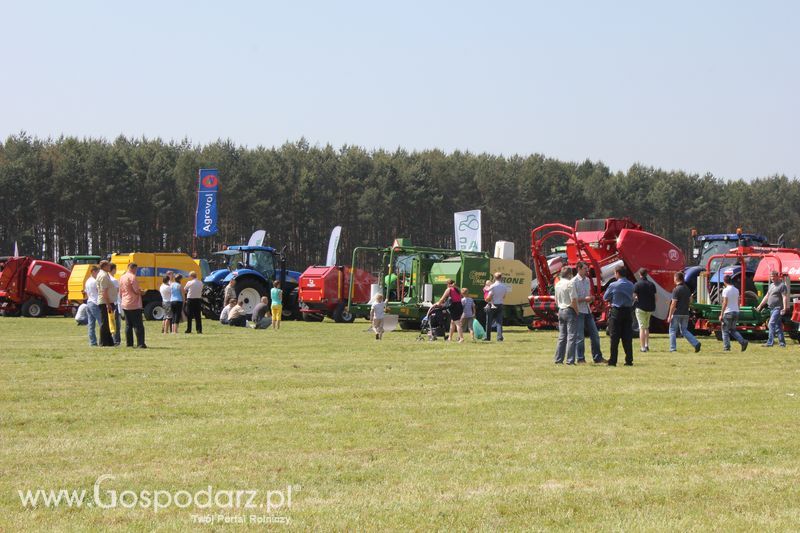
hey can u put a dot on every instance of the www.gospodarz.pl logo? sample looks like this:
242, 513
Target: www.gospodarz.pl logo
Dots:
156, 500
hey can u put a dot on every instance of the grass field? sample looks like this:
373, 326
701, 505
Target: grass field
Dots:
396, 435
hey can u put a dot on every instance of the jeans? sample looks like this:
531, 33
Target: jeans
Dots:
680, 322
94, 318
133, 322
776, 326
586, 324
620, 327
494, 315
567, 335
729, 330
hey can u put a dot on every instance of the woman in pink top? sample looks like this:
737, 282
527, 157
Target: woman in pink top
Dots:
454, 295
131, 301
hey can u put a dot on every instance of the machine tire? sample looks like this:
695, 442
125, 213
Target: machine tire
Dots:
154, 311
341, 316
250, 287
33, 308
750, 298
291, 311
408, 325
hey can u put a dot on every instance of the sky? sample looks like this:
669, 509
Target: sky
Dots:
699, 86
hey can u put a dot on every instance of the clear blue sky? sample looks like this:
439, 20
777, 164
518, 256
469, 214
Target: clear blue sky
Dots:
698, 86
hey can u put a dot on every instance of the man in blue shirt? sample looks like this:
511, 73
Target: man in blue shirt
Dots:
620, 322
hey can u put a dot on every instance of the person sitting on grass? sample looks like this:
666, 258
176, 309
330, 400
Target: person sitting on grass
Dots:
261, 318
82, 315
237, 316
223, 316
376, 314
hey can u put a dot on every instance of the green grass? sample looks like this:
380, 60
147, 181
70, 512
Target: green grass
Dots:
400, 434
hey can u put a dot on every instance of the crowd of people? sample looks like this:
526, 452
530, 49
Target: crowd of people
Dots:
108, 299
626, 300
461, 309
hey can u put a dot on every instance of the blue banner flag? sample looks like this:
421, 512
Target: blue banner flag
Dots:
206, 217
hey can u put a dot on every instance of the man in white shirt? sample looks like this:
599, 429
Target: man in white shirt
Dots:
585, 323
567, 301
194, 302
494, 308
223, 316
729, 315
90, 291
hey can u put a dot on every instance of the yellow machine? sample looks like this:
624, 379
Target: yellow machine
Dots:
152, 267
76, 282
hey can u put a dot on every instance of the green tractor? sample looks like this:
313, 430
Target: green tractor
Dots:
412, 278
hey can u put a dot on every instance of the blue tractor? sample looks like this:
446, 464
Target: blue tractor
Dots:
719, 243
255, 269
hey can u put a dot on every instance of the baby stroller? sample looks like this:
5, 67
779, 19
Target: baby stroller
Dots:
434, 324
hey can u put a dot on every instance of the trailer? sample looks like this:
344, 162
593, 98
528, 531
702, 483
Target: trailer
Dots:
323, 292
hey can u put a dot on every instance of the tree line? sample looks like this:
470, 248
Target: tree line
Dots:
71, 196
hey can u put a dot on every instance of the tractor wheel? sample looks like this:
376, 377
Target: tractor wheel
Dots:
750, 298
33, 308
291, 311
341, 315
154, 311
249, 292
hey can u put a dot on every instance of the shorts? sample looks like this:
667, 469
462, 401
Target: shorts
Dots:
456, 309
377, 325
277, 311
177, 311
643, 318
167, 306
466, 323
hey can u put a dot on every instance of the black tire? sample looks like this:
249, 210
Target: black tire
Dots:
409, 325
750, 298
33, 308
342, 316
291, 310
154, 311
312, 317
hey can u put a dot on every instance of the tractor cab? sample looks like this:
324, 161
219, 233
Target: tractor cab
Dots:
69, 261
258, 258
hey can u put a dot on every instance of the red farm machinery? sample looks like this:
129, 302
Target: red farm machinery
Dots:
32, 287
324, 290
604, 245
